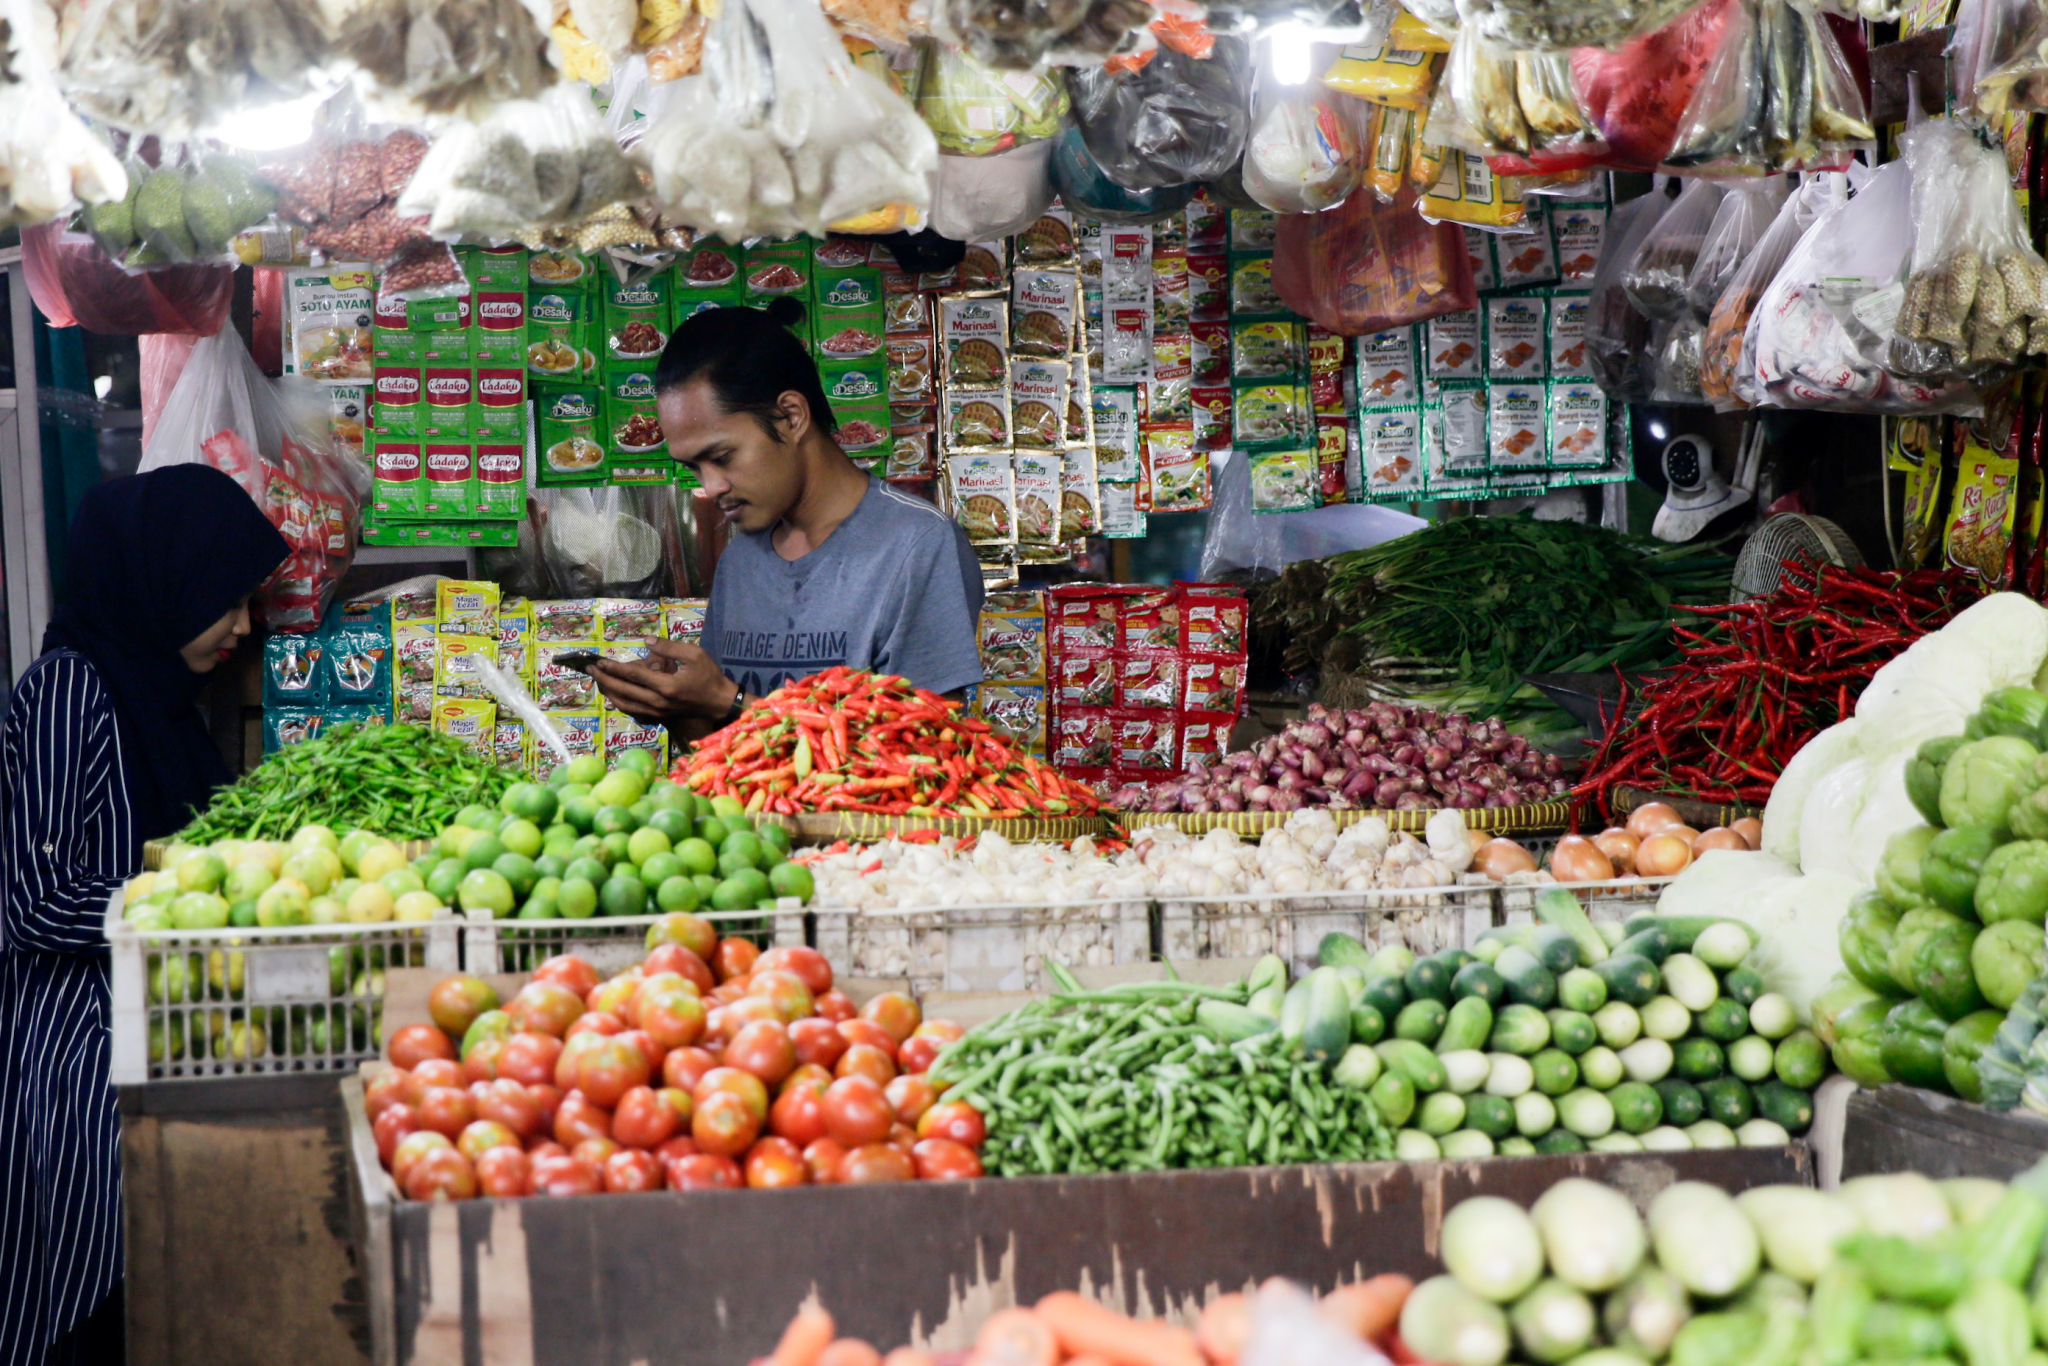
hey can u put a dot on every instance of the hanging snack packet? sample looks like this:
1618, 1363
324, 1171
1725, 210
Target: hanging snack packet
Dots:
1656, 275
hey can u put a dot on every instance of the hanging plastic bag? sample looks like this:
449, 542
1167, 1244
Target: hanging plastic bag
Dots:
1657, 272
1778, 95
1721, 351
1617, 332
975, 111
1975, 295
1303, 154
530, 164
1549, 27
417, 57
1637, 95
1521, 107
781, 133
54, 162
173, 69
75, 284
1026, 36
976, 199
1675, 373
271, 437
1366, 266
1745, 213
1174, 120
1998, 55
1086, 188
1800, 350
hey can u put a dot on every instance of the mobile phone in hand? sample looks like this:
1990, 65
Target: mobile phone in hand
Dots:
579, 660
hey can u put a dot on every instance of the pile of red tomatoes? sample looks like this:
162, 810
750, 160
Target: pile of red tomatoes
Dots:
709, 1065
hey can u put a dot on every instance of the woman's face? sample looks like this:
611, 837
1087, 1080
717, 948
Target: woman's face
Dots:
207, 649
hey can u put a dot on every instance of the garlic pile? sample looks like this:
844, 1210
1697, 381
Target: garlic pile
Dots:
1308, 854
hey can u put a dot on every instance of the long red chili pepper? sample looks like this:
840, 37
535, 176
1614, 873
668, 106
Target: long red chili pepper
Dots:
845, 740
1761, 678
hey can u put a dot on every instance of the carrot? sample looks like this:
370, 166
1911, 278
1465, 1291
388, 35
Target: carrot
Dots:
1014, 1337
908, 1356
1224, 1328
804, 1341
1370, 1308
1081, 1325
850, 1352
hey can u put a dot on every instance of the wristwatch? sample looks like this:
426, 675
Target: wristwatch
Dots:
739, 704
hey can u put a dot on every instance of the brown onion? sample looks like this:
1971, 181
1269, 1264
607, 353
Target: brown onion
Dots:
1720, 837
1663, 856
1578, 859
1620, 847
1751, 829
1499, 857
1652, 817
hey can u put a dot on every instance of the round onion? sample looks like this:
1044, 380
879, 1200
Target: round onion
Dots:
1752, 831
1720, 837
1578, 859
1499, 857
1663, 855
1651, 818
1620, 847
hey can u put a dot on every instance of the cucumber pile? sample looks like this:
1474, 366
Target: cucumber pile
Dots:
1561, 1036
1885, 1269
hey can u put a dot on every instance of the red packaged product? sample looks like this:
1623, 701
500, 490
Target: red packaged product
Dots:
1151, 680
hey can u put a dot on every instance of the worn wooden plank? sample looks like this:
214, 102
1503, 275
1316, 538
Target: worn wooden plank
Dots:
1899, 1128
712, 1277
148, 1254
1919, 60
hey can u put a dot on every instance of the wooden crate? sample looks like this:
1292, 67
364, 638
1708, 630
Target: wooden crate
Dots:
1902, 1128
712, 1277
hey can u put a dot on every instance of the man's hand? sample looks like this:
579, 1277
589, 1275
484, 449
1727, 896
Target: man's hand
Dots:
687, 685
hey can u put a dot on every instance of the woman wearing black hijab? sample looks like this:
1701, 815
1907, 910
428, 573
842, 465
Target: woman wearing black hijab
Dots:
102, 747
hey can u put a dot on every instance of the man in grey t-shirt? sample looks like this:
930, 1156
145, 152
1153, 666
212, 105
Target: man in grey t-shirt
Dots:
827, 565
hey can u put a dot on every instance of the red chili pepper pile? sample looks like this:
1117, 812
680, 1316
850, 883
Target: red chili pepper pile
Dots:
1765, 676
846, 740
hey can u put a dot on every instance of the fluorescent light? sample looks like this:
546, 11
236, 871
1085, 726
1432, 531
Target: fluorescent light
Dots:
271, 127
1291, 52
1657, 431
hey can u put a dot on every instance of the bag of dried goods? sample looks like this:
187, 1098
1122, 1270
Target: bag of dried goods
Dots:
1366, 267
1721, 353
1661, 264
1174, 120
1617, 332
1778, 95
1975, 292
1739, 224
782, 133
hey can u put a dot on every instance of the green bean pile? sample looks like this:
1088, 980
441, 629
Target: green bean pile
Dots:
1125, 1079
402, 782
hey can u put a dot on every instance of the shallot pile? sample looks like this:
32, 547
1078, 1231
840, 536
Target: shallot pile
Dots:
1383, 757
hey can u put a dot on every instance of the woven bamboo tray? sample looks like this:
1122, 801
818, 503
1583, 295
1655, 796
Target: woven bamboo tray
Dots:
1694, 812
861, 827
1535, 818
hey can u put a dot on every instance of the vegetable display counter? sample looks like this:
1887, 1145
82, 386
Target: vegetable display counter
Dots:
712, 1276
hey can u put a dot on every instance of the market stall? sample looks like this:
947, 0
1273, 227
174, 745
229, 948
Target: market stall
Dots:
1682, 855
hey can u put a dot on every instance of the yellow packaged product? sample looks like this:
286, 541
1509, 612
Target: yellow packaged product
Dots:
455, 665
509, 744
582, 733
1980, 521
515, 639
460, 602
1012, 638
1015, 712
1387, 74
1425, 158
472, 721
1469, 192
1409, 32
622, 732
1388, 137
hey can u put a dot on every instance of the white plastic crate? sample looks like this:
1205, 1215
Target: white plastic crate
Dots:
983, 948
199, 1004
1621, 898
1292, 924
608, 943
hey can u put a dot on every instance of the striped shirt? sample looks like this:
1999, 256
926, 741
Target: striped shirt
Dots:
66, 842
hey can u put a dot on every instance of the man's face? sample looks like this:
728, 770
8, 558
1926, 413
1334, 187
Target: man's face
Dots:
754, 478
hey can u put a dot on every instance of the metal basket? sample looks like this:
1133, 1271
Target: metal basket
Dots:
1292, 924
193, 1005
